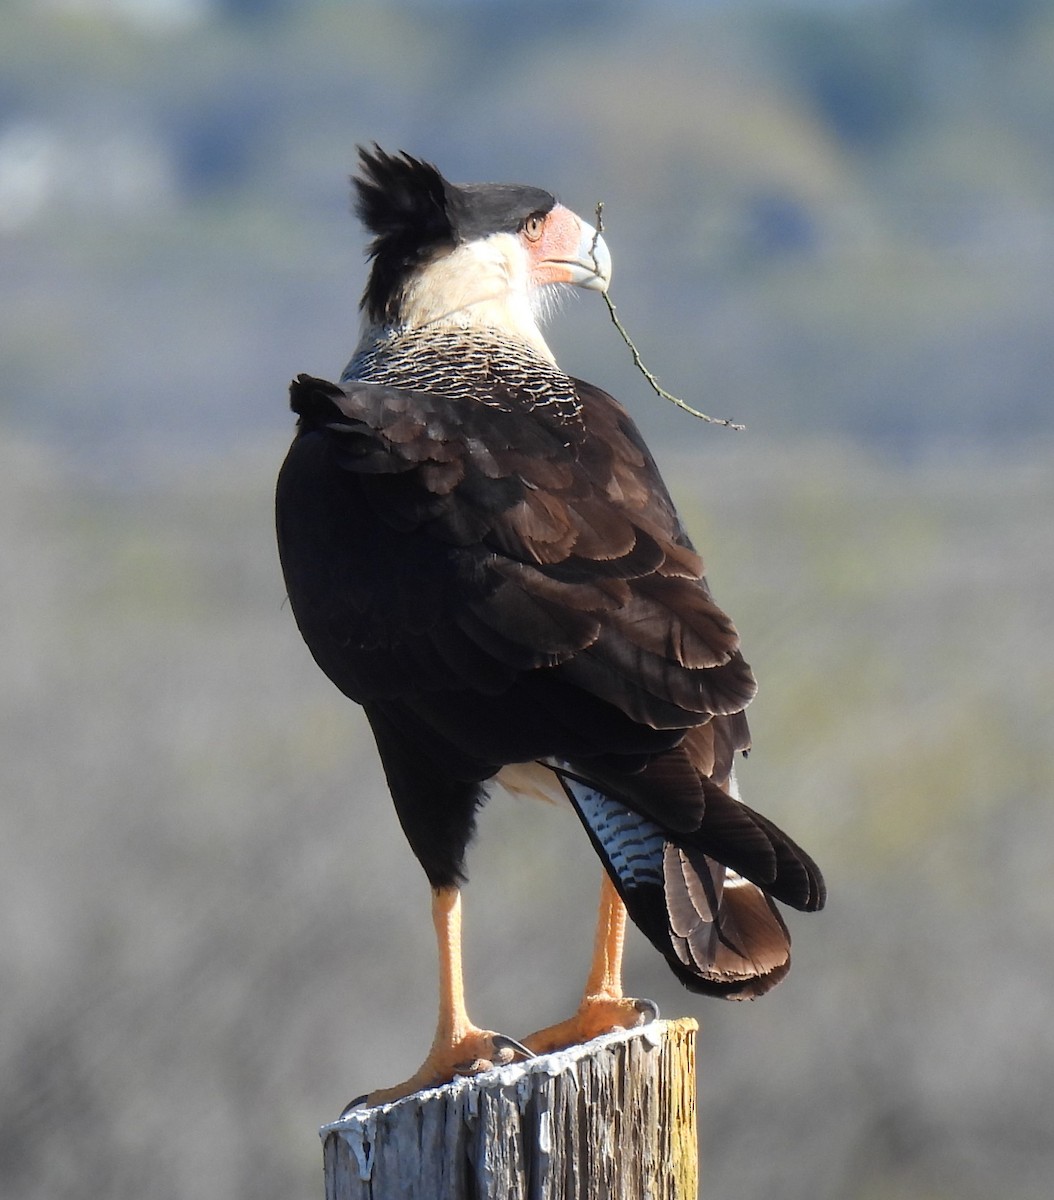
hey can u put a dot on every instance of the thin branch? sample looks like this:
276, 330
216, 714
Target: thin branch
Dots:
637, 360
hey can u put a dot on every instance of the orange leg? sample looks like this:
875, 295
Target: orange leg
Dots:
459, 1047
603, 1007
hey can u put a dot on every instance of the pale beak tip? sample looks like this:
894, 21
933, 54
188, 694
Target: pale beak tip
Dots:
594, 256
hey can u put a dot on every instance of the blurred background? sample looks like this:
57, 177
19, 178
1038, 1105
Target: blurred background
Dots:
830, 221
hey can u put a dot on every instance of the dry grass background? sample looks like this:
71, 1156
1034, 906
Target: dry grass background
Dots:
214, 933
829, 221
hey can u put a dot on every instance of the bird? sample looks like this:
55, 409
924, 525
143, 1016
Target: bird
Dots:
479, 550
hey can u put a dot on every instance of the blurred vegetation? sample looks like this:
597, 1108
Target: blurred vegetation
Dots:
830, 217
214, 932
831, 221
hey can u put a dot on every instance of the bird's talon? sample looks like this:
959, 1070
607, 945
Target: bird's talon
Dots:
504, 1050
503, 1042
648, 1009
359, 1102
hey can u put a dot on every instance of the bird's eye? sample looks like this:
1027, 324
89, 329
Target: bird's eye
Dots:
532, 227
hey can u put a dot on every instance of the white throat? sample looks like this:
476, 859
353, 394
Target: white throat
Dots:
478, 284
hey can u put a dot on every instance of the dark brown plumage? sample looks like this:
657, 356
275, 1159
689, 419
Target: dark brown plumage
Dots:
479, 550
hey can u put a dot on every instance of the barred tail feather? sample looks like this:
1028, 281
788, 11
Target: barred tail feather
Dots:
719, 933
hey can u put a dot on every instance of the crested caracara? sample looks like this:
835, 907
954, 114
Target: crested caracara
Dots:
479, 550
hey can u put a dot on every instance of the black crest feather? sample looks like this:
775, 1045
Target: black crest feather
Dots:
399, 194
402, 201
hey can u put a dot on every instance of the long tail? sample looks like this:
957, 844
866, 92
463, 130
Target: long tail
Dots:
704, 898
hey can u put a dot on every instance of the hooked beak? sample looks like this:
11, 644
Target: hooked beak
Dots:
571, 252
591, 266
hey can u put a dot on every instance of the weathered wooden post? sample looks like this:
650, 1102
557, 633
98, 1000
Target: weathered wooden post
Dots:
614, 1118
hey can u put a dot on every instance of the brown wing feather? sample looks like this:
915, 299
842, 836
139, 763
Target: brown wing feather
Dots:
547, 549
498, 584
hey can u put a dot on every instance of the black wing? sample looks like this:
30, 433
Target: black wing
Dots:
477, 563
500, 583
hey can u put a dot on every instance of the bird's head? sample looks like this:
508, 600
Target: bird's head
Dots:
482, 254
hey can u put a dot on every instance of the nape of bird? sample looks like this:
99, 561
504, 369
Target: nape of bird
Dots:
479, 550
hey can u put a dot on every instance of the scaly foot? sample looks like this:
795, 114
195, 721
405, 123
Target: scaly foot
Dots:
477, 1050
596, 1015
